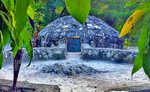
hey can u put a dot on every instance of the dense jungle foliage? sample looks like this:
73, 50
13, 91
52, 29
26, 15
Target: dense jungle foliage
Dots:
111, 11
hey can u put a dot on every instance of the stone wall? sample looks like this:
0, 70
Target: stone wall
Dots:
87, 53
118, 55
41, 53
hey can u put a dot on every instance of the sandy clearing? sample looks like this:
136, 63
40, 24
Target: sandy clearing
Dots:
118, 75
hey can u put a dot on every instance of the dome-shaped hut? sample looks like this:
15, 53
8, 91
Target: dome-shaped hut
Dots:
67, 30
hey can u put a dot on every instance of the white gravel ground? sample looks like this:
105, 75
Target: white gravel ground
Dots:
118, 75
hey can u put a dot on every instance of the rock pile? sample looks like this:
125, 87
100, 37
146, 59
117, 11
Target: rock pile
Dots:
69, 69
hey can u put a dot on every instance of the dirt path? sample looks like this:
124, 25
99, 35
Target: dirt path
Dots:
117, 75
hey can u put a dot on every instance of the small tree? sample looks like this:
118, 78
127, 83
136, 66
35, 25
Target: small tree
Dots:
14, 16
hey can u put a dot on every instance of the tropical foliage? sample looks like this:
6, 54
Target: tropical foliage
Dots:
111, 11
15, 16
47, 11
138, 22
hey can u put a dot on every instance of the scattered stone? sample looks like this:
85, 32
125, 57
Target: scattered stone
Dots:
69, 69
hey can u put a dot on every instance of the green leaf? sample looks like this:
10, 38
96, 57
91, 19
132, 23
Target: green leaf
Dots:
27, 43
137, 27
143, 40
147, 18
1, 60
137, 64
144, 20
31, 9
1, 49
32, 3
9, 4
6, 35
129, 3
6, 18
6, 27
145, 5
15, 48
16, 45
1, 42
146, 63
79, 9
30, 12
21, 15
12, 35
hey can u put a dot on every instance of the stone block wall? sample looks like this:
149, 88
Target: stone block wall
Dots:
118, 55
46, 53
40, 53
87, 53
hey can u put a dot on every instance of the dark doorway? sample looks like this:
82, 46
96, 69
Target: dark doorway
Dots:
74, 44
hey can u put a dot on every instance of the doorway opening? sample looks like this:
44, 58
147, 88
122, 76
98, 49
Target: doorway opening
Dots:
74, 44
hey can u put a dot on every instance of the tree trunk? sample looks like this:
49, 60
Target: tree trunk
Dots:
16, 67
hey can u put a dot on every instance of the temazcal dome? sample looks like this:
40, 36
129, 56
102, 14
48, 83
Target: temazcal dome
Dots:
97, 33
